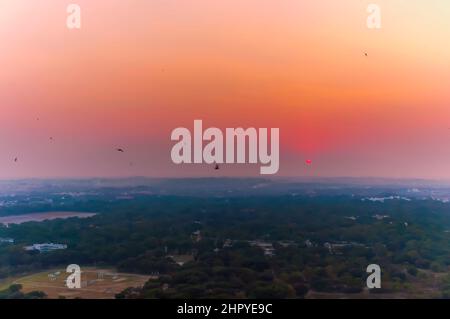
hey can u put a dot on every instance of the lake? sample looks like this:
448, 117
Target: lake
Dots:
39, 217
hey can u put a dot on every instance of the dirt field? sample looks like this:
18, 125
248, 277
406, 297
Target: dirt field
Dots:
96, 283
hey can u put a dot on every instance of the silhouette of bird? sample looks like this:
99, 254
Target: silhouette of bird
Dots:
365, 53
120, 150
216, 167
15, 159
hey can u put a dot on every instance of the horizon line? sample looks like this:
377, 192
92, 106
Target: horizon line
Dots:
223, 177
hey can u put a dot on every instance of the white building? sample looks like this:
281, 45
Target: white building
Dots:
45, 247
267, 247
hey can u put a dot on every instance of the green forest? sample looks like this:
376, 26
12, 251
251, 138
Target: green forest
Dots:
247, 247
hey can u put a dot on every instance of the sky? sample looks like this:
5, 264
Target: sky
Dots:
138, 69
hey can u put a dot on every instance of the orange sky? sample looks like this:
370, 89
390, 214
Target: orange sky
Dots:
138, 69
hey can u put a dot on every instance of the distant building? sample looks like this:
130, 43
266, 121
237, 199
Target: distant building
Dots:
308, 243
329, 247
380, 217
267, 247
180, 260
228, 243
287, 243
7, 240
336, 247
383, 199
196, 236
42, 248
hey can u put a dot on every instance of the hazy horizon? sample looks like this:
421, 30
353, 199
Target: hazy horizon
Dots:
307, 179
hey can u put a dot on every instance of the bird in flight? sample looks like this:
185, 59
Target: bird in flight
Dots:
15, 159
120, 150
365, 53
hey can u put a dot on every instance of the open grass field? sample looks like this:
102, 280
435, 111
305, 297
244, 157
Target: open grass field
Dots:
96, 283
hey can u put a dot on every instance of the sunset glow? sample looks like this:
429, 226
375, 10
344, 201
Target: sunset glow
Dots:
133, 73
